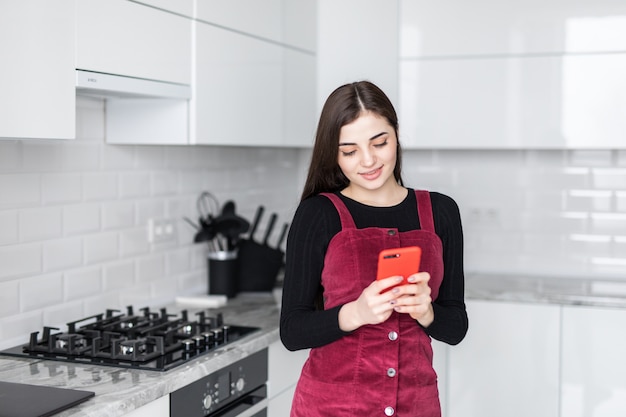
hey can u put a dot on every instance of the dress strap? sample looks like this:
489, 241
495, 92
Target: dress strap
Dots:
425, 210
344, 214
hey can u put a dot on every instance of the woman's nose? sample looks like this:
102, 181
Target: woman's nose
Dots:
367, 159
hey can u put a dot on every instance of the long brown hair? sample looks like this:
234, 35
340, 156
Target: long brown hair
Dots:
343, 106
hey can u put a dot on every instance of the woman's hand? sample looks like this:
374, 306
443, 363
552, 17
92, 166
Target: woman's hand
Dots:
372, 307
414, 298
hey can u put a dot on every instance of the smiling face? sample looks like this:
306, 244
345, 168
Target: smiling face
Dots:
367, 157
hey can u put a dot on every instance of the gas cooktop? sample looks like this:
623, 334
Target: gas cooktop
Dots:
156, 341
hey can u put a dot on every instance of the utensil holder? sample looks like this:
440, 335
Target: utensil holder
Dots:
222, 271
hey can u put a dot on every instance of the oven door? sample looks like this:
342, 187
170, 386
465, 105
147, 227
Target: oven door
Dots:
253, 404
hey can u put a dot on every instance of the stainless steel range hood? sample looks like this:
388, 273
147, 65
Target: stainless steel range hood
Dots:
108, 85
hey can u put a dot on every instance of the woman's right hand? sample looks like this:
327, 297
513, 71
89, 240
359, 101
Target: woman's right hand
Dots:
372, 307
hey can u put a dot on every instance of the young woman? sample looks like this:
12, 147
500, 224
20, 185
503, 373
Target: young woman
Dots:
371, 349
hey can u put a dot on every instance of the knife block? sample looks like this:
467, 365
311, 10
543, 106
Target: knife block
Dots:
258, 266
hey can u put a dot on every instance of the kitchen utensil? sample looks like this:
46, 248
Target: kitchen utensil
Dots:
230, 226
259, 263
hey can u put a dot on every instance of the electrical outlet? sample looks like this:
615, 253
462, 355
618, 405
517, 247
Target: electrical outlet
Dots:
161, 230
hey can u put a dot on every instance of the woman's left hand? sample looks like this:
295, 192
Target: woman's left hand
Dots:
414, 298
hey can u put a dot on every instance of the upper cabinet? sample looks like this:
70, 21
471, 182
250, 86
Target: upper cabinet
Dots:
125, 38
37, 71
255, 72
539, 75
357, 40
139, 57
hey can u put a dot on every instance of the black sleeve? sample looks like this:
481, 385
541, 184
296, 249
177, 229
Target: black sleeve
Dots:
301, 324
450, 323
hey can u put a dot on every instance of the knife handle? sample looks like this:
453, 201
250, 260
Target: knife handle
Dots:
270, 226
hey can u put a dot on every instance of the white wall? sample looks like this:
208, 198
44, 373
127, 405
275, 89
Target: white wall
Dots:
73, 220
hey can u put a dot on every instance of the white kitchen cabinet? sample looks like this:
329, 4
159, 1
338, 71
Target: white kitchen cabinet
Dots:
493, 27
182, 7
37, 98
594, 370
357, 40
157, 408
125, 38
287, 22
548, 102
284, 371
246, 89
508, 364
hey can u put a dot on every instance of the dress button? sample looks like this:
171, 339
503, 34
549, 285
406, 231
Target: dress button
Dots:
392, 335
389, 411
391, 232
391, 372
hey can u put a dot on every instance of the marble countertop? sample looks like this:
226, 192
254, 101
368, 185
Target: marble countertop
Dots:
119, 391
599, 292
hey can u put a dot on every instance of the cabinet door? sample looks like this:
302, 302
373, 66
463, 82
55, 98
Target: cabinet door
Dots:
289, 22
37, 98
238, 96
594, 370
508, 364
284, 371
125, 38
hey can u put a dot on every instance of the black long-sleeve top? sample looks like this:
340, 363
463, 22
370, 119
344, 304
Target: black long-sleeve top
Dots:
316, 221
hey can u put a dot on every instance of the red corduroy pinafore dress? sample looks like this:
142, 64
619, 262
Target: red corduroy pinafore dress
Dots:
377, 370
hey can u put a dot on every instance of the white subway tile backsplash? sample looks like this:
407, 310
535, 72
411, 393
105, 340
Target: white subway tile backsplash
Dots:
151, 268
118, 215
81, 219
40, 224
19, 190
591, 158
589, 200
82, 282
134, 184
20, 260
609, 178
42, 156
59, 315
164, 183
60, 254
90, 119
620, 157
118, 158
14, 328
100, 186
41, 291
119, 276
61, 188
134, 242
194, 282
10, 155
80, 156
178, 261
100, 247
620, 198
9, 298
608, 223
8, 227
557, 178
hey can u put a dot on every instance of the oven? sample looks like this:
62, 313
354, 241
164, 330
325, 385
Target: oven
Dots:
237, 390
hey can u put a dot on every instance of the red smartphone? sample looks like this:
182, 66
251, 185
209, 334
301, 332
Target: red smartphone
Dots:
399, 261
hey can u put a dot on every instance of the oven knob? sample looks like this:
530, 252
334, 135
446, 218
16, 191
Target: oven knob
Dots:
208, 402
240, 384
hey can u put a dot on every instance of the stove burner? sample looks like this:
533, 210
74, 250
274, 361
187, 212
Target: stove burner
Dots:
151, 340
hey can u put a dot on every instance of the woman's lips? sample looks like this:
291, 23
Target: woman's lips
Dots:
372, 175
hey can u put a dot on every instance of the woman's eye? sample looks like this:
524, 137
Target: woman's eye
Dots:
380, 144
348, 153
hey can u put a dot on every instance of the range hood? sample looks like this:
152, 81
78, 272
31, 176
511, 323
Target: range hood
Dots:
108, 85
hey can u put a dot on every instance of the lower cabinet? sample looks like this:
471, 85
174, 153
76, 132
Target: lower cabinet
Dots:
593, 382
508, 364
157, 408
284, 371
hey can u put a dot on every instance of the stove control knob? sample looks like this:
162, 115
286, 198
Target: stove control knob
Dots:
240, 384
207, 402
